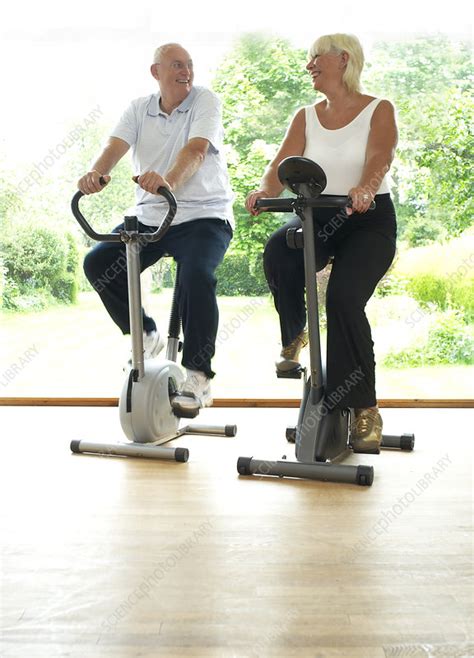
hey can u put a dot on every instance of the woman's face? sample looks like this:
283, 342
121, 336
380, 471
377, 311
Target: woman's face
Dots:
326, 68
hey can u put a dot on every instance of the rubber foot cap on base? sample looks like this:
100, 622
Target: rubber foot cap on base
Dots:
243, 465
365, 476
407, 442
181, 454
75, 446
230, 430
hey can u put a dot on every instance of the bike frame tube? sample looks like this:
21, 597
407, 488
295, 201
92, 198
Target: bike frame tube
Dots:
135, 302
316, 369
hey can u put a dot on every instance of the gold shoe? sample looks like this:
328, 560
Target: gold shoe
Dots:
289, 355
366, 432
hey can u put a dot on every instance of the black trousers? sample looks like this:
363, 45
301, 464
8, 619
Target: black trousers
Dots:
198, 247
362, 247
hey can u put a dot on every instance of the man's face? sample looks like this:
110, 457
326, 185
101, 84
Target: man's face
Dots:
175, 73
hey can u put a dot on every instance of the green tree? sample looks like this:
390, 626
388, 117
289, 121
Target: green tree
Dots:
415, 68
261, 82
445, 159
107, 208
34, 276
10, 197
429, 81
40, 266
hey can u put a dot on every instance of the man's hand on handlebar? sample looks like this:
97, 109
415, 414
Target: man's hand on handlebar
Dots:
361, 198
90, 183
252, 199
150, 181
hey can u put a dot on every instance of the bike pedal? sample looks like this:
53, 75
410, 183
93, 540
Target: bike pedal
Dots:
295, 373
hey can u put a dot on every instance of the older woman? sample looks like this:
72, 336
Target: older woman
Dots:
352, 136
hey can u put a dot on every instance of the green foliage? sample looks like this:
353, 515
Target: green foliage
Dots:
10, 198
440, 277
261, 83
429, 288
419, 230
429, 80
443, 190
2, 280
55, 277
417, 67
41, 265
391, 284
238, 275
440, 274
444, 292
72, 254
65, 289
107, 208
163, 274
449, 341
251, 232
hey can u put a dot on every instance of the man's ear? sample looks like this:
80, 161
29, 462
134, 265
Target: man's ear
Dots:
154, 71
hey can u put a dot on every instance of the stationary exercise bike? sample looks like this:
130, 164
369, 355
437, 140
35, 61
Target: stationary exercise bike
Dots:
149, 405
321, 435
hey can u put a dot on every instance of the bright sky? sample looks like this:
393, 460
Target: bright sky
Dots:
58, 65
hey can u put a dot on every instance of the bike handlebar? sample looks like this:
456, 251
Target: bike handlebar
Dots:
289, 204
117, 237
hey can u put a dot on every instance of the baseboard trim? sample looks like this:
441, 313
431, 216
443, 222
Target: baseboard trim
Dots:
264, 403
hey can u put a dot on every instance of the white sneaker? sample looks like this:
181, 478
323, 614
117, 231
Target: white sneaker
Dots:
194, 394
153, 343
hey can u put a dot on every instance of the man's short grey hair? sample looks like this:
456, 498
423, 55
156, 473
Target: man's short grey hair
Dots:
161, 50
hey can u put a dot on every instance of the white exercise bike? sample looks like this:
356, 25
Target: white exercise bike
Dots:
150, 405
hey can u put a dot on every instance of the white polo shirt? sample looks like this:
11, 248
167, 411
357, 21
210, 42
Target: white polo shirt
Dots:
156, 138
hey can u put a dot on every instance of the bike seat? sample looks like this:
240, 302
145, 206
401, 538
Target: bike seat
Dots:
296, 171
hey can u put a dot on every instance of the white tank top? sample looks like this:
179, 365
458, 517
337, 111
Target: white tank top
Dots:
341, 152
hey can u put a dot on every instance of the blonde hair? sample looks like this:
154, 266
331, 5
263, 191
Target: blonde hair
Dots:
338, 43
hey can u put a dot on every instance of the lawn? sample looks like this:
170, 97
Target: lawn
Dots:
71, 351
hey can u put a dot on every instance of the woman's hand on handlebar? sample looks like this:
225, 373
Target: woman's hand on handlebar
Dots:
90, 183
361, 198
150, 181
252, 199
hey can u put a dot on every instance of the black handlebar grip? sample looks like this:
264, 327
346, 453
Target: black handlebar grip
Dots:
285, 204
372, 206
169, 196
164, 191
288, 204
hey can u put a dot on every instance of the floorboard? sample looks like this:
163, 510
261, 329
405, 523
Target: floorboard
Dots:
114, 557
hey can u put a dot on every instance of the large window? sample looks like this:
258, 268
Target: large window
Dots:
66, 80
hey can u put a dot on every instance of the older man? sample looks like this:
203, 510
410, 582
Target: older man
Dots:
177, 139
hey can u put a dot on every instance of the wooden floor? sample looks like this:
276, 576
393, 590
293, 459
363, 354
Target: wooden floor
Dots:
108, 557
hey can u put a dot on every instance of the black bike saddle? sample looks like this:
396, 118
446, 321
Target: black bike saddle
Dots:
296, 171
